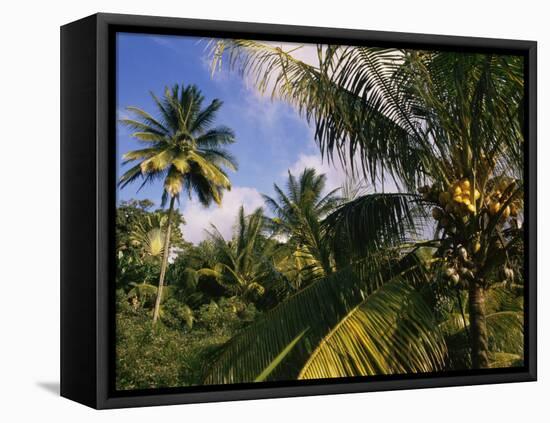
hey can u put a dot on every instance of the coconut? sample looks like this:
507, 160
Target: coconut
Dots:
450, 271
456, 191
463, 253
455, 278
508, 274
506, 212
465, 184
494, 207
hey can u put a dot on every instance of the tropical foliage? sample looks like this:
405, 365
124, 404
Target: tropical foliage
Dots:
333, 283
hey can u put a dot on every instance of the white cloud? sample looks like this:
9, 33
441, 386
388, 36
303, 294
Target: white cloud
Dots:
336, 175
265, 112
199, 218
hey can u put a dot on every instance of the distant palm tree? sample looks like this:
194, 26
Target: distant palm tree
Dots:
298, 215
242, 265
183, 149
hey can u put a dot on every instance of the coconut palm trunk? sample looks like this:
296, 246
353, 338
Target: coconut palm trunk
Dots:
478, 327
164, 264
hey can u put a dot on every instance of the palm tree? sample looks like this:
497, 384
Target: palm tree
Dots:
447, 124
298, 215
182, 148
243, 263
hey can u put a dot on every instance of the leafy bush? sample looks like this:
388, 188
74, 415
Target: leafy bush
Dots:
228, 315
175, 351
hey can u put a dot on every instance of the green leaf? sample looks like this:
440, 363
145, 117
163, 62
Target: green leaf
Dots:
392, 331
269, 369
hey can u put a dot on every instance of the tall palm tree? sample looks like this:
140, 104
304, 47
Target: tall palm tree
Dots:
298, 214
447, 124
182, 148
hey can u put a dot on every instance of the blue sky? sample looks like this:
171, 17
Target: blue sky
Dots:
270, 135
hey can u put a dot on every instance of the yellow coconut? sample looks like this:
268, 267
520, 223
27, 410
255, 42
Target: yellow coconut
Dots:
477, 247
506, 212
494, 207
456, 191
465, 184
477, 194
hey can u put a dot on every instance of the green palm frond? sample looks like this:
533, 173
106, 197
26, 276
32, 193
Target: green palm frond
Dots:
150, 235
408, 114
373, 222
298, 214
142, 291
504, 327
273, 365
242, 263
393, 331
319, 307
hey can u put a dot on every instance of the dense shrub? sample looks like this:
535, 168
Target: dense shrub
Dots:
175, 351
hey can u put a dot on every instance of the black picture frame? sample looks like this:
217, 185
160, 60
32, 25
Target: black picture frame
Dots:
87, 207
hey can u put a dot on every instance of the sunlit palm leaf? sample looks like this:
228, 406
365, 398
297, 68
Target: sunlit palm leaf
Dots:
318, 307
392, 331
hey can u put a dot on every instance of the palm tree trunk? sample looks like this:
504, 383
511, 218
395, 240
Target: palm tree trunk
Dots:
164, 264
478, 327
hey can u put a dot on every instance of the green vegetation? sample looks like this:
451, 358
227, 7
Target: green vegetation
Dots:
343, 283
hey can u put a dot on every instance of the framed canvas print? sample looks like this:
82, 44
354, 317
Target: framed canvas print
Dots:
255, 211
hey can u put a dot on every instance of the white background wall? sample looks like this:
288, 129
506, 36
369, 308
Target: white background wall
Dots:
29, 229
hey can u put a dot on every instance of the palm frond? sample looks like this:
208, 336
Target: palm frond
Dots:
373, 222
319, 307
391, 332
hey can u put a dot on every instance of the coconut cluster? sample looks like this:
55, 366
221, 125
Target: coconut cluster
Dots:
459, 267
499, 197
461, 200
